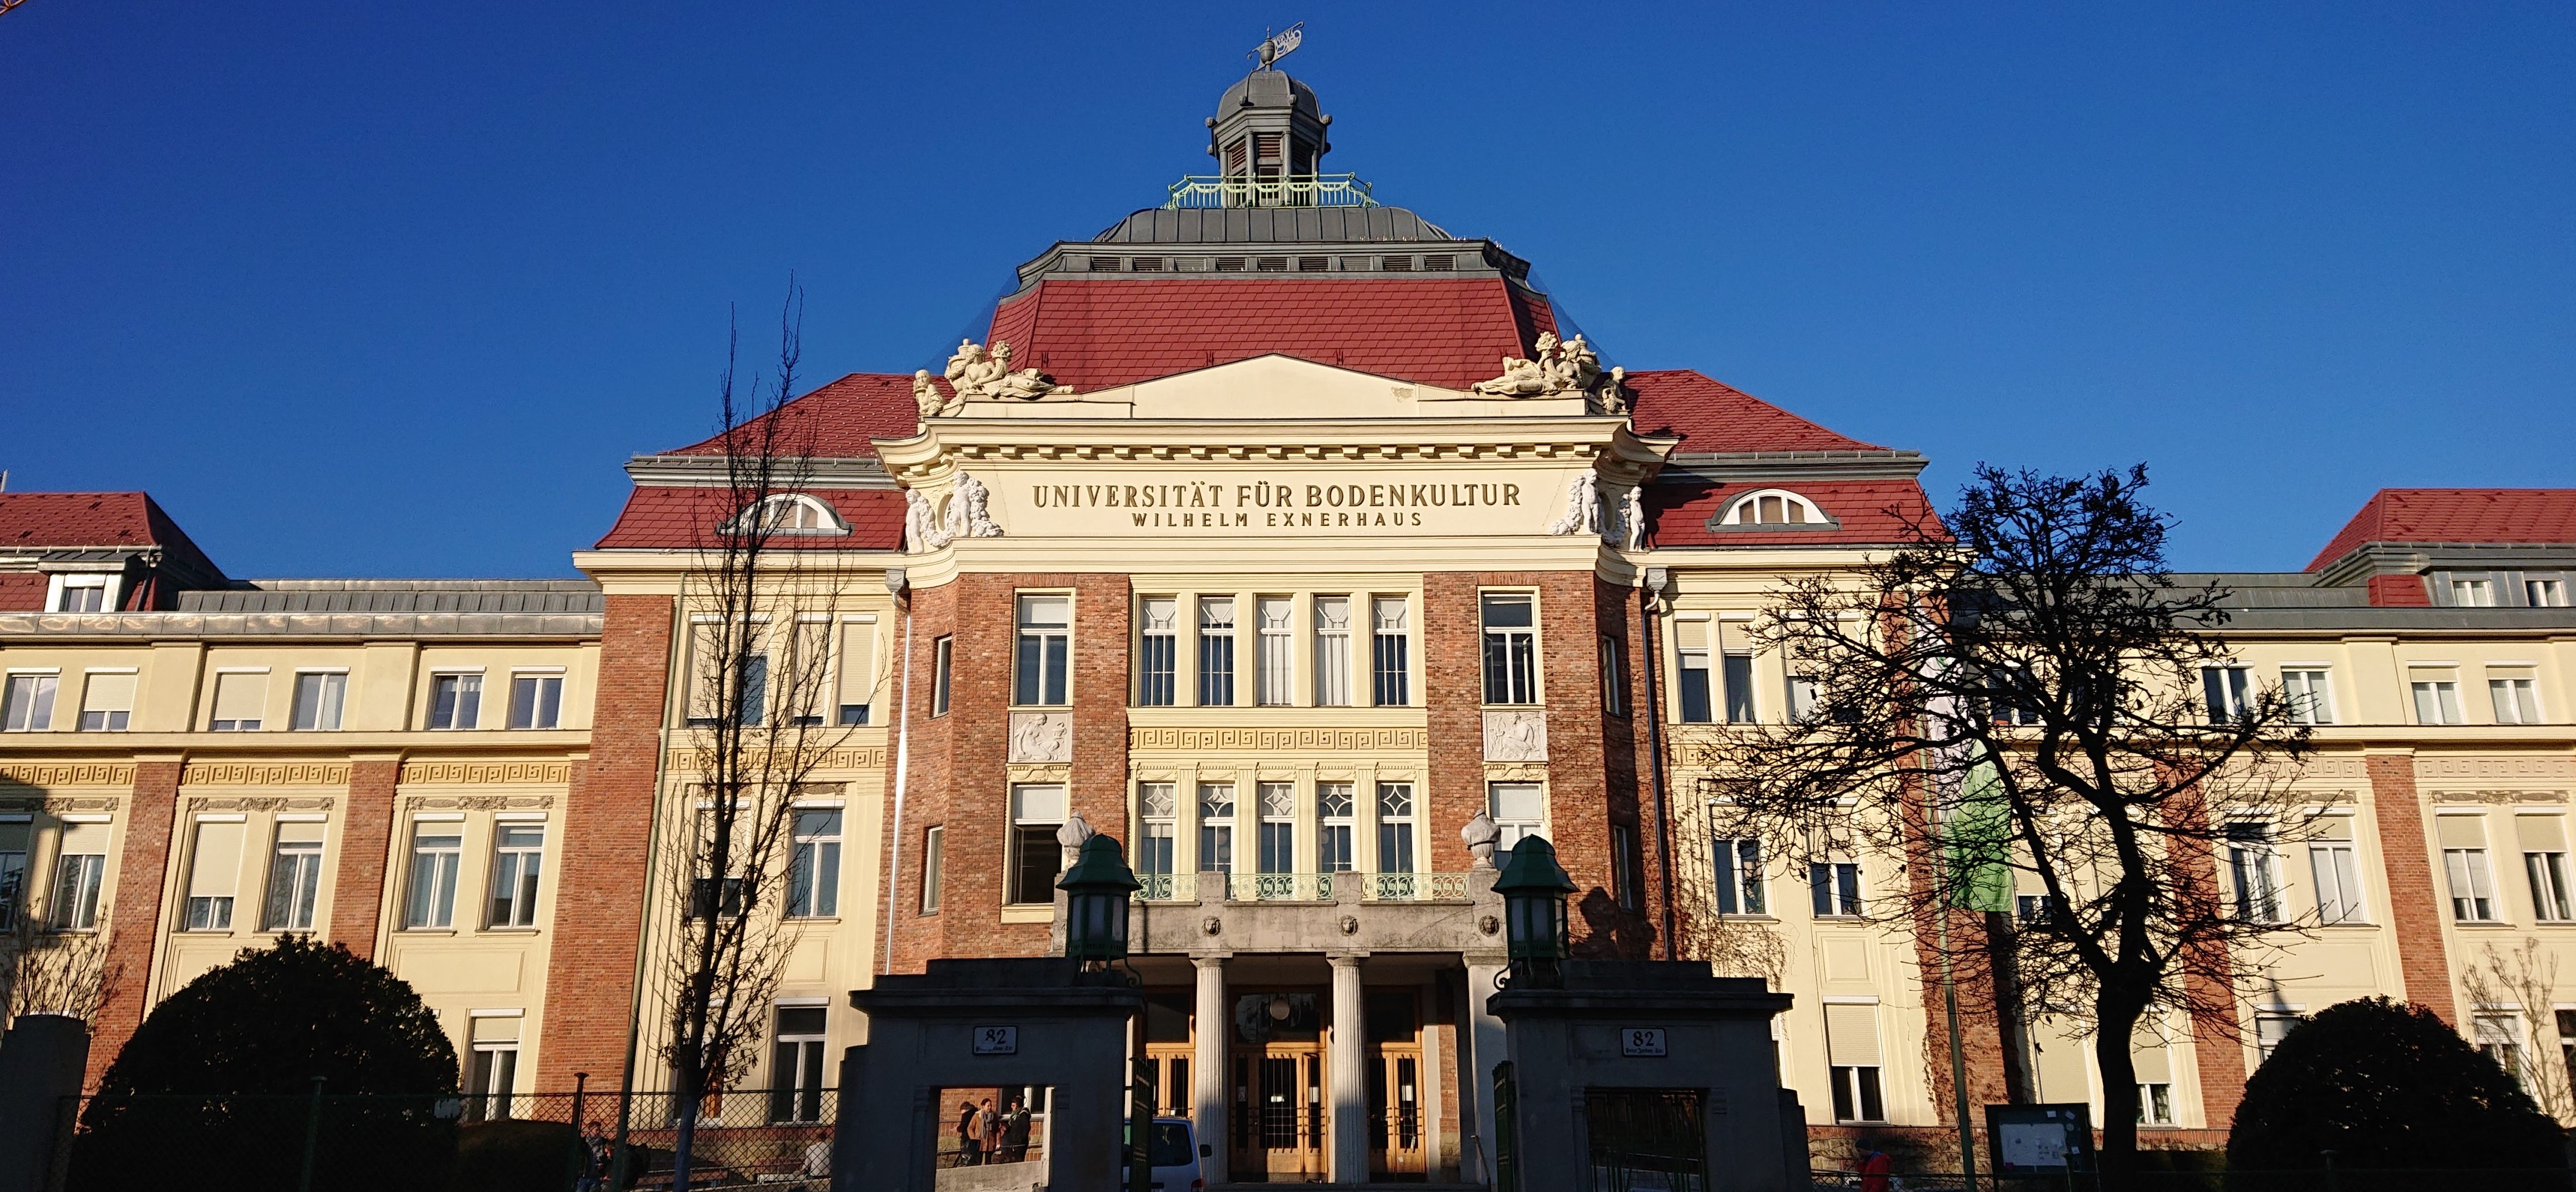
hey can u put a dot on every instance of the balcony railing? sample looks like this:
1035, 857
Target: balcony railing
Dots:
1303, 887
1295, 190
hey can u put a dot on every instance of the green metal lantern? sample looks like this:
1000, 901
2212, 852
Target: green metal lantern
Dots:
1096, 891
1534, 887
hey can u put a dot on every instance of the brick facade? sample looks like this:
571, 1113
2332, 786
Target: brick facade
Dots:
357, 897
133, 920
2414, 908
600, 899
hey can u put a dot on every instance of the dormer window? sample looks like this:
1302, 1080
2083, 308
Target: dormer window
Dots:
790, 513
74, 593
1775, 509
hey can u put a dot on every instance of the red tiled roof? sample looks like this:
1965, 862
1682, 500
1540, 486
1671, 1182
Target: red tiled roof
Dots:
672, 516
53, 521
838, 420
2456, 515
1712, 416
1449, 332
2395, 590
1871, 511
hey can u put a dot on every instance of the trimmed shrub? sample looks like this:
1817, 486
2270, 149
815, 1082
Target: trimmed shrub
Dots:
2386, 1085
215, 1090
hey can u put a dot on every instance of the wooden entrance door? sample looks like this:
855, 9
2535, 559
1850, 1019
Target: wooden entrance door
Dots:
1279, 1117
1396, 1125
1173, 1088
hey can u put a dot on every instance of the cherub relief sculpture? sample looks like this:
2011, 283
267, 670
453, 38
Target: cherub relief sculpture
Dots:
922, 530
933, 403
1582, 506
969, 510
1561, 366
977, 373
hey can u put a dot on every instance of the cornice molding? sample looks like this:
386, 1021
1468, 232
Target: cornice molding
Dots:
708, 471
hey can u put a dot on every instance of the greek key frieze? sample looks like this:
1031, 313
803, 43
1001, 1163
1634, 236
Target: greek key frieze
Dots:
265, 774
2539, 769
855, 757
1281, 740
486, 773
48, 774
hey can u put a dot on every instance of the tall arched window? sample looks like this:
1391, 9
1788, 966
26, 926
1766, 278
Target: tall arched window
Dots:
1774, 509
790, 513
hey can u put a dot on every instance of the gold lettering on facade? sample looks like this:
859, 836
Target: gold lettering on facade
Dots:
265, 774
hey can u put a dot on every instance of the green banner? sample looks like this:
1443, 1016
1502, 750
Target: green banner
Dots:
1979, 839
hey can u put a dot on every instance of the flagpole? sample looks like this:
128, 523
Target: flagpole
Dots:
1958, 1057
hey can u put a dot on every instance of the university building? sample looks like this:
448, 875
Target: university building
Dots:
1280, 534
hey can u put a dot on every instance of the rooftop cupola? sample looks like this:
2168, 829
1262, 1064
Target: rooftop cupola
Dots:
1268, 138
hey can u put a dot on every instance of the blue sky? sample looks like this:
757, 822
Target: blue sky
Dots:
377, 289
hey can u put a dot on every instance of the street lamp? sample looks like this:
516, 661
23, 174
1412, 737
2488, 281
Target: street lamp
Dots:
1095, 917
1534, 887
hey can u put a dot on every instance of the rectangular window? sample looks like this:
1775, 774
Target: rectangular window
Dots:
1216, 651
1158, 648
942, 664
1851, 1050
857, 680
2338, 872
492, 1070
214, 874
2472, 593
318, 696
1332, 651
2311, 697
2437, 701
1333, 805
536, 701
1395, 827
436, 848
1738, 862
1614, 675
2464, 862
1216, 827
1275, 623
294, 877
1834, 889
1691, 678
796, 1066
809, 656
1626, 860
814, 864
1802, 697
2544, 861
240, 699
1511, 648
2253, 870
2517, 700
518, 859
1157, 848
1738, 662
1036, 812
2545, 593
107, 702
13, 870
751, 693
1277, 846
2030, 908
82, 594
1389, 653
456, 701
2228, 692
2269, 1030
2499, 1038
79, 871
1045, 650
1517, 809
933, 842
2155, 1103
28, 706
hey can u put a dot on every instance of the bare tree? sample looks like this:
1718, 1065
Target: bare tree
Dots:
761, 720
2027, 704
2527, 977
54, 972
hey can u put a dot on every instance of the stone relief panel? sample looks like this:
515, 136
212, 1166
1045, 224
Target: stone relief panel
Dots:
261, 803
478, 802
1515, 735
1041, 736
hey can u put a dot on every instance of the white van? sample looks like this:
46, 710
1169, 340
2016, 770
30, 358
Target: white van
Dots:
1175, 1151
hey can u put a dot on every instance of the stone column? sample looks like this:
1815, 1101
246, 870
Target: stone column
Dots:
1427, 1079
1211, 1026
1349, 1127
1481, 1039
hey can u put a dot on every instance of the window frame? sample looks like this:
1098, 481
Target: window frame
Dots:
42, 691
111, 720
1030, 834
303, 888
2311, 695
1042, 653
435, 909
1158, 650
1835, 891
470, 712
1390, 652
934, 841
2253, 861
943, 670
1213, 667
1510, 660
536, 683
814, 860
329, 700
1737, 876
525, 879
61, 584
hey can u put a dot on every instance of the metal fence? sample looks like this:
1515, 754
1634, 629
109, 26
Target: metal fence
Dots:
2207, 1174
772, 1140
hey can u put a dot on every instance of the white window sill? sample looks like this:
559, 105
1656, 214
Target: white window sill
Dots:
824, 920
427, 931
529, 930
1029, 914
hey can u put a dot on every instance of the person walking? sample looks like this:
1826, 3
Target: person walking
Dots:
988, 1131
594, 1167
1875, 1171
1015, 1133
967, 1121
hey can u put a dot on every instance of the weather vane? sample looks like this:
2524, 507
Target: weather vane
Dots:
1275, 46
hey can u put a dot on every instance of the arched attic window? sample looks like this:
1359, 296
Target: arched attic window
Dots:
790, 513
1774, 509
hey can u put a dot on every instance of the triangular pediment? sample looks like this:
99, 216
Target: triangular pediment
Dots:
1277, 386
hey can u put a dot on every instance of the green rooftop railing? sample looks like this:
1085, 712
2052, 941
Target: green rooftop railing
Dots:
1294, 190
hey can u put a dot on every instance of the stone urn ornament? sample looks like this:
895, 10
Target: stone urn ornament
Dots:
1072, 835
1480, 835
